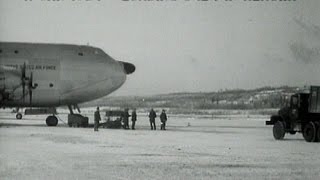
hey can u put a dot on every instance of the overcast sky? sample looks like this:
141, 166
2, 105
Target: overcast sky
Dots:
187, 46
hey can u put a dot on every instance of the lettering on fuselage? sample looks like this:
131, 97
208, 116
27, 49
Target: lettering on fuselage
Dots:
32, 67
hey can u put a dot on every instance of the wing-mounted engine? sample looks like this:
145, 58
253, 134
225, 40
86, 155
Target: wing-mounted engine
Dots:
15, 85
9, 82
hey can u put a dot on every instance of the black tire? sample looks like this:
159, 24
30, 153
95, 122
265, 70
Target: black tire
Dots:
293, 132
279, 130
52, 121
318, 133
309, 132
18, 116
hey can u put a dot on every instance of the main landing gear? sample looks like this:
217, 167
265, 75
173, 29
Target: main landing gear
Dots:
74, 120
52, 121
18, 116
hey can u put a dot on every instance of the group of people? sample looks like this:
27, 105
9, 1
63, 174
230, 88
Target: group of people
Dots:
152, 119
126, 115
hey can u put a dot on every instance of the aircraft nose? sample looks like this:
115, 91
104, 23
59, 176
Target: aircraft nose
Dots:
128, 67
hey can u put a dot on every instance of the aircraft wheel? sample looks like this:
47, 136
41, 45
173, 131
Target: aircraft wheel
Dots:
18, 116
309, 132
278, 130
52, 121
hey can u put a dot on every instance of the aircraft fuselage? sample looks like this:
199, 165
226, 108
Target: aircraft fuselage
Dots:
61, 74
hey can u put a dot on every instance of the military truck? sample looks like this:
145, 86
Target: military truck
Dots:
301, 115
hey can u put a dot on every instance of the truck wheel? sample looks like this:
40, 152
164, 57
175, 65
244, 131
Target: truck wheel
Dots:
278, 130
292, 132
318, 134
309, 132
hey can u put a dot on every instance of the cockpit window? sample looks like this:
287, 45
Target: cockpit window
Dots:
98, 51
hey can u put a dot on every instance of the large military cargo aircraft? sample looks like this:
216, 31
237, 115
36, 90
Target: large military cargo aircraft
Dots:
52, 75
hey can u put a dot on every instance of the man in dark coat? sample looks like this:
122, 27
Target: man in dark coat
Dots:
152, 119
126, 116
133, 118
97, 118
163, 119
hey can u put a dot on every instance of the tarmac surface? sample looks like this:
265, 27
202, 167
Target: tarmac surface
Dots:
224, 147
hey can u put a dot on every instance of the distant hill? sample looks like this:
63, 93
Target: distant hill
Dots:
265, 97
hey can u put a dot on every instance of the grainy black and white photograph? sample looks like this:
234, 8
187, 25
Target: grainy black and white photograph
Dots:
159, 89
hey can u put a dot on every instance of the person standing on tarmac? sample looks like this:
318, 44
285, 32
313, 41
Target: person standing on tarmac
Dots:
126, 118
133, 119
152, 119
163, 119
97, 118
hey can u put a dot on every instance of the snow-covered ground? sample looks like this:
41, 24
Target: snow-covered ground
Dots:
235, 147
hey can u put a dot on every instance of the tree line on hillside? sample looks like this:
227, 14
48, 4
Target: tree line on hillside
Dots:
266, 97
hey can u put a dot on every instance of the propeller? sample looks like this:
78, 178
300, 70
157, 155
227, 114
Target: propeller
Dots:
23, 79
30, 87
26, 81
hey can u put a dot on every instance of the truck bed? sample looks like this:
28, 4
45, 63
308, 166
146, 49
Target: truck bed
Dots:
314, 101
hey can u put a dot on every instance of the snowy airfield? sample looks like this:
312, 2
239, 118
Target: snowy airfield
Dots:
221, 147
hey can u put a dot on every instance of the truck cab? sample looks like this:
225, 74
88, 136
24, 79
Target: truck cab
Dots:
298, 107
299, 115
